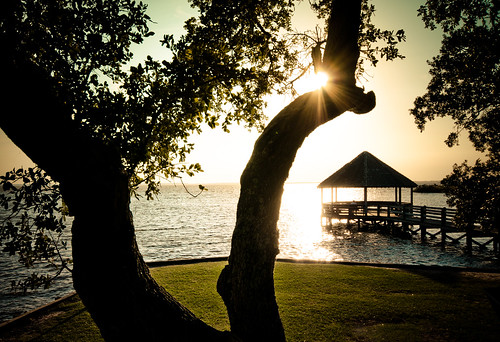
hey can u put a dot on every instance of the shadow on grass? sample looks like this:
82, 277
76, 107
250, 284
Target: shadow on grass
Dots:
494, 297
61, 323
446, 277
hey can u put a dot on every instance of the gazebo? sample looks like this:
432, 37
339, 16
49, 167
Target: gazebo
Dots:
367, 171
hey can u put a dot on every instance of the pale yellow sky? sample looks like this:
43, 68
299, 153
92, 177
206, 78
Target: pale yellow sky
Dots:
387, 132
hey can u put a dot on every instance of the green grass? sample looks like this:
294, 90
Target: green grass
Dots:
346, 303
67, 321
321, 302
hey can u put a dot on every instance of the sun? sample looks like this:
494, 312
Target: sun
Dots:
319, 79
311, 82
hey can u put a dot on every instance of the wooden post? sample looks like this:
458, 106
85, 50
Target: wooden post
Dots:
366, 201
411, 196
322, 208
388, 215
399, 195
423, 230
443, 227
468, 237
404, 224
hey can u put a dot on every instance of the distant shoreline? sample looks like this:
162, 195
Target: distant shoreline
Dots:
429, 188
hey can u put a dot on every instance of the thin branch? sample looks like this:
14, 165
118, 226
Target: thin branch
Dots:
302, 74
202, 188
56, 246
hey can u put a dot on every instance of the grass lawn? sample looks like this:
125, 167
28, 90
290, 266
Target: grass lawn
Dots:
318, 302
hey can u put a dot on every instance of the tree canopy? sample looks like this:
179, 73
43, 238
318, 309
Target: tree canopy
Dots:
464, 87
465, 74
219, 73
229, 59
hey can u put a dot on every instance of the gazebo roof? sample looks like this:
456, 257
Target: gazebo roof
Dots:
366, 170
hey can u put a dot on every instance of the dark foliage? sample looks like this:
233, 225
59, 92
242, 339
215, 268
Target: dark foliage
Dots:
429, 188
464, 87
475, 192
33, 224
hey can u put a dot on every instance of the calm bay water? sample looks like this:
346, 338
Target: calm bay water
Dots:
178, 226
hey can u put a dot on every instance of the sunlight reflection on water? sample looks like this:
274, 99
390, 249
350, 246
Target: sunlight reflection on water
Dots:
300, 237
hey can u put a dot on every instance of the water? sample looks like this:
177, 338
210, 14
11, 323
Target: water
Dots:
178, 226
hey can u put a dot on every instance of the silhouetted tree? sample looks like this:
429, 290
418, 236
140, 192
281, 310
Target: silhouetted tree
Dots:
475, 192
464, 87
99, 141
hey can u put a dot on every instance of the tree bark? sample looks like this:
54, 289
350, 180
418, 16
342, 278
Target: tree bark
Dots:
109, 273
246, 284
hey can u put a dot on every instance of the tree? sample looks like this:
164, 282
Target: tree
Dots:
474, 191
464, 86
58, 57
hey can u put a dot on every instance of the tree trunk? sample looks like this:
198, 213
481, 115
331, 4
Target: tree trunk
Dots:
112, 279
246, 284
109, 273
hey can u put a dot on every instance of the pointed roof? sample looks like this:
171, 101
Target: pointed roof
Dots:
366, 170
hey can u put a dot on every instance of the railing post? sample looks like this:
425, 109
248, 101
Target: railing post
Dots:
404, 223
443, 227
423, 230
469, 230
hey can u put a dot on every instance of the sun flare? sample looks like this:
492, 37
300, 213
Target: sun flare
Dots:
311, 82
319, 79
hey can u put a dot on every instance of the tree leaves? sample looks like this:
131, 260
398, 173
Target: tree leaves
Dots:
465, 74
33, 223
232, 56
475, 191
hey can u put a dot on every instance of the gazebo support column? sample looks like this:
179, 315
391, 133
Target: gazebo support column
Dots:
366, 200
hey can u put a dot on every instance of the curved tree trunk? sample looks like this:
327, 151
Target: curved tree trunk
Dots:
109, 273
246, 284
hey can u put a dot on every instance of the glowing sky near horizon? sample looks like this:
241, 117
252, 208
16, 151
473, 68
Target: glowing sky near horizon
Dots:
388, 132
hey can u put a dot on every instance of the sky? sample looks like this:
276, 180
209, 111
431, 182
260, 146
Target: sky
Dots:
388, 131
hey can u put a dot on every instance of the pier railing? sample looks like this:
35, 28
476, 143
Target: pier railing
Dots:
390, 211
411, 218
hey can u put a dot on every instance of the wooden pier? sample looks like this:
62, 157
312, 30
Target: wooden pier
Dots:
404, 218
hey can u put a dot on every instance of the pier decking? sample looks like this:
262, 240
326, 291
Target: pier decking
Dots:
406, 218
